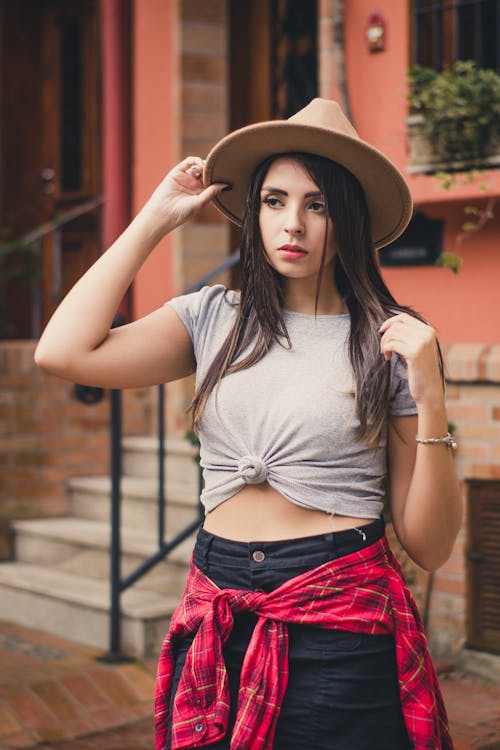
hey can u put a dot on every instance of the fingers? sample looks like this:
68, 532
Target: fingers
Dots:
191, 167
407, 336
210, 192
389, 330
191, 161
195, 172
194, 165
395, 319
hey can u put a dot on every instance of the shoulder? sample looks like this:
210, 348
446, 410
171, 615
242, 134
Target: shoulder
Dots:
206, 309
209, 298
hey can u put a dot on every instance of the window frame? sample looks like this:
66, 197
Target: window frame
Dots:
435, 12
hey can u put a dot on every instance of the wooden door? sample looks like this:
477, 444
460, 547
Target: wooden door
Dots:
49, 146
273, 62
273, 58
483, 566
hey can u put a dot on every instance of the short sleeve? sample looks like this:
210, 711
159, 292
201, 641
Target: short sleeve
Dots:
208, 316
401, 401
196, 308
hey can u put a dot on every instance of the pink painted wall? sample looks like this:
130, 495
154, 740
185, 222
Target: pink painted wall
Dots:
154, 123
116, 133
465, 307
376, 81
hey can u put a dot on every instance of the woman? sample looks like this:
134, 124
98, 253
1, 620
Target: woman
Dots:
296, 629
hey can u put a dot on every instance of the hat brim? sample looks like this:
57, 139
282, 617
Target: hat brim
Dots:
234, 159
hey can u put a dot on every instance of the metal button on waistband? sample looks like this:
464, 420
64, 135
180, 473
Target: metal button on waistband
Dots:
258, 555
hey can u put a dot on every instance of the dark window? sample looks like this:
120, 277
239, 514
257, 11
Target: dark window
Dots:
420, 244
71, 105
483, 566
293, 56
452, 30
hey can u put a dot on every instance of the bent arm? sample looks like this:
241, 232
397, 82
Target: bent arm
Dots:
78, 343
426, 503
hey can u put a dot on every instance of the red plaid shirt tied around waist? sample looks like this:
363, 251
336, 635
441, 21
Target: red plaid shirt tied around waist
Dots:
360, 592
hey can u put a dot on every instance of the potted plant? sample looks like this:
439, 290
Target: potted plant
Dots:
454, 122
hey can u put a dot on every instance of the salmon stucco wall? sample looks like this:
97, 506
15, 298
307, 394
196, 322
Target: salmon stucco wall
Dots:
463, 307
154, 139
377, 81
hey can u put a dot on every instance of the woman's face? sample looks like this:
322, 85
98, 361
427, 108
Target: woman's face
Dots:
293, 220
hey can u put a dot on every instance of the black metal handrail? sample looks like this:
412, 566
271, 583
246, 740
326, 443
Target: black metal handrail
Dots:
33, 239
118, 584
50, 226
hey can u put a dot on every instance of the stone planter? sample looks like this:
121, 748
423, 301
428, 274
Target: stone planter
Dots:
425, 157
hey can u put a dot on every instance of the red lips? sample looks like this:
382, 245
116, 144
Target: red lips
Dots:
292, 249
292, 252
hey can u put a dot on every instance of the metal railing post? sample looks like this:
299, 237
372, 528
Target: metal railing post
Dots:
161, 466
36, 294
56, 266
115, 562
115, 653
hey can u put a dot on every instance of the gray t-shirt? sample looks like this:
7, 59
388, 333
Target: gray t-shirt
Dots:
289, 419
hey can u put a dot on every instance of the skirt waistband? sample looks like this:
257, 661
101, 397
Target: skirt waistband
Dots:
322, 547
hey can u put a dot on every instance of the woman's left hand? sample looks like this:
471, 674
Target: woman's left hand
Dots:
416, 343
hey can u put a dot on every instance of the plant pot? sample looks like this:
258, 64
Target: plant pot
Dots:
426, 157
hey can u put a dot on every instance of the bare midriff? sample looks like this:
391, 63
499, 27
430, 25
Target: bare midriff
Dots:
260, 513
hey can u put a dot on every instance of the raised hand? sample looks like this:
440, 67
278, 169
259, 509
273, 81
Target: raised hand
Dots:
415, 342
181, 194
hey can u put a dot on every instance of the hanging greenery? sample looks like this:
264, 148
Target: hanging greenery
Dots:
459, 110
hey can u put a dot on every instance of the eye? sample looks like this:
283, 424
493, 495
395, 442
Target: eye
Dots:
272, 201
317, 207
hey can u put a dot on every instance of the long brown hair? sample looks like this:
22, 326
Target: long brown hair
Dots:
260, 320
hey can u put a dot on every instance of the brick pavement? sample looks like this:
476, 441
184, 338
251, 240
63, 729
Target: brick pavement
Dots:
473, 706
55, 695
136, 736
53, 690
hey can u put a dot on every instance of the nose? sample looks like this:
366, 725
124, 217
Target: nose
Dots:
294, 224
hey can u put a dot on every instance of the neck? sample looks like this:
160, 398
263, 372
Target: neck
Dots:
300, 296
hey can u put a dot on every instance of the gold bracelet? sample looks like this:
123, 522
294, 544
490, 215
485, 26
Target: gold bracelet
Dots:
445, 440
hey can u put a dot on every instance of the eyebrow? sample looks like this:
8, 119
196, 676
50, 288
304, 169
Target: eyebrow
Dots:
270, 189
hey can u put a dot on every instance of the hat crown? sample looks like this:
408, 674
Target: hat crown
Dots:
325, 114
319, 128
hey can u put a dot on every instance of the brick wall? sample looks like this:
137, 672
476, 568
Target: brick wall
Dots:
326, 78
203, 116
473, 398
47, 436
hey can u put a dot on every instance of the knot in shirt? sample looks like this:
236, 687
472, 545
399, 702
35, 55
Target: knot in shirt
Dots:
252, 469
240, 600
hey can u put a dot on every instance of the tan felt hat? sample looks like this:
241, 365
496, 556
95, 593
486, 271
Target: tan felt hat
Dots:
320, 128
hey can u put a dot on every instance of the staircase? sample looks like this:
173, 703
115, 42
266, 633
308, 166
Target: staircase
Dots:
59, 581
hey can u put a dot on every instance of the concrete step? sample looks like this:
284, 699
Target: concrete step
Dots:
76, 607
90, 498
73, 545
140, 459
47, 586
